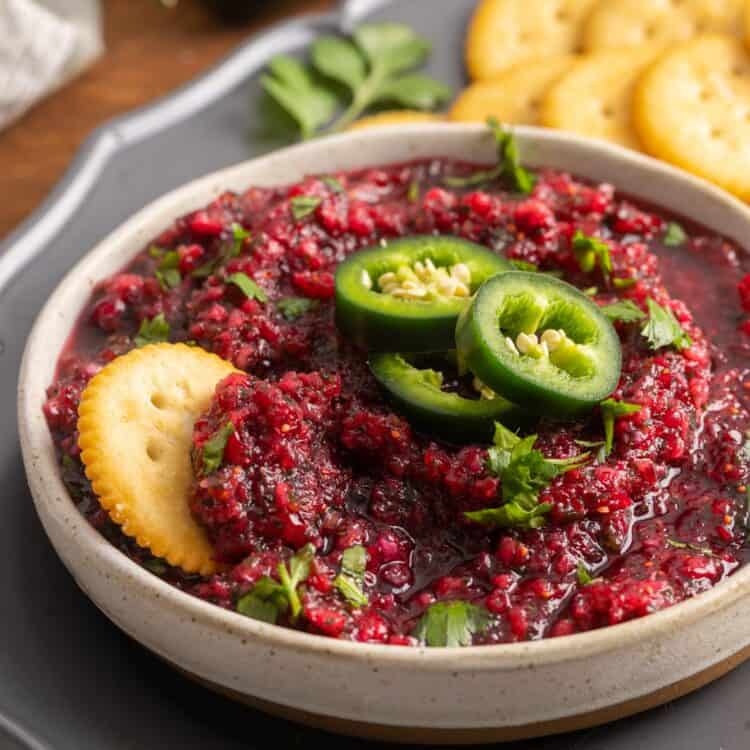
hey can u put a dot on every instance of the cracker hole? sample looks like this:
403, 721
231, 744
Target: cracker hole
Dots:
158, 400
561, 16
704, 95
716, 133
738, 71
608, 112
649, 31
153, 450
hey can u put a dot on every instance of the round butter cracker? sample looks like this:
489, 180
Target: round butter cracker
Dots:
504, 33
135, 421
631, 23
395, 117
512, 97
594, 98
692, 108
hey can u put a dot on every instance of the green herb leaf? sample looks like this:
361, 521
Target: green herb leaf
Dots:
156, 565
623, 310
352, 576
524, 472
239, 234
451, 624
156, 252
706, 551
332, 183
509, 165
340, 60
167, 271
663, 329
265, 601
152, 331
304, 205
612, 409
412, 194
248, 287
591, 291
391, 48
591, 252
297, 572
511, 515
295, 307
584, 577
521, 180
474, 179
600, 445
415, 91
674, 235
213, 449
624, 283
523, 265
295, 88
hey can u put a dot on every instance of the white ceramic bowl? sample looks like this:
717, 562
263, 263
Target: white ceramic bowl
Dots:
436, 695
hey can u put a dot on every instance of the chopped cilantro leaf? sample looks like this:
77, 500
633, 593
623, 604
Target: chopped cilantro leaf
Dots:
269, 598
248, 287
332, 183
524, 265
611, 409
584, 577
591, 252
265, 601
152, 331
156, 565
213, 449
451, 624
239, 234
524, 472
297, 572
351, 578
624, 310
167, 271
412, 194
304, 205
295, 307
706, 551
624, 283
662, 328
509, 165
675, 235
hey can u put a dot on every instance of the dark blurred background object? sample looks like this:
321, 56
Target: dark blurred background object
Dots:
242, 11
152, 47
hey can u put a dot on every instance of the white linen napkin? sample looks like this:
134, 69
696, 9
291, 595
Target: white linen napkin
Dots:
43, 43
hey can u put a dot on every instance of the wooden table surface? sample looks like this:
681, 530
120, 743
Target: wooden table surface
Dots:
150, 50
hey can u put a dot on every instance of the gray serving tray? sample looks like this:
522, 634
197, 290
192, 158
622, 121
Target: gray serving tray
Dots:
69, 680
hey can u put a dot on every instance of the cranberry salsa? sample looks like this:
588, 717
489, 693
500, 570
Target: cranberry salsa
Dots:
333, 510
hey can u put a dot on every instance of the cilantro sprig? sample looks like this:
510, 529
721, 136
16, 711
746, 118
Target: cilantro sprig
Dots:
247, 286
508, 165
292, 308
624, 310
611, 409
227, 251
524, 472
153, 331
374, 66
583, 575
591, 252
304, 205
675, 235
168, 269
213, 449
451, 624
662, 328
269, 598
352, 576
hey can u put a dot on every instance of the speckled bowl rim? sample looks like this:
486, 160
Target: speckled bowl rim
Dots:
44, 477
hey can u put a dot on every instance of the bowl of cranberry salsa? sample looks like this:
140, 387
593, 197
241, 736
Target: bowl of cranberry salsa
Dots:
417, 604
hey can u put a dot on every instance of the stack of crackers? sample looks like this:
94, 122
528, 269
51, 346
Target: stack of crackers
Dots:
667, 77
